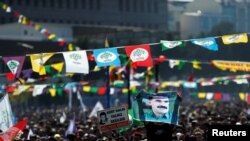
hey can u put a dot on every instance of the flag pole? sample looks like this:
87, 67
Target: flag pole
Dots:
156, 76
106, 44
128, 84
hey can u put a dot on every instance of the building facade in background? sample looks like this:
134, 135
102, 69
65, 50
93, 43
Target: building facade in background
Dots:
192, 18
118, 15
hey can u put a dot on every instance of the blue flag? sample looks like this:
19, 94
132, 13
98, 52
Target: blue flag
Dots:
157, 107
107, 57
208, 43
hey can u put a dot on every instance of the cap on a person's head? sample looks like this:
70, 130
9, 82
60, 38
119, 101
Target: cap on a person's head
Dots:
157, 97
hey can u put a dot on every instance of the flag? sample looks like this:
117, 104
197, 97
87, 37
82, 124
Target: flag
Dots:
140, 55
165, 45
235, 38
38, 89
30, 134
83, 106
98, 107
38, 61
107, 57
208, 43
209, 96
173, 63
20, 89
14, 132
15, 64
189, 85
71, 130
76, 62
157, 107
5, 113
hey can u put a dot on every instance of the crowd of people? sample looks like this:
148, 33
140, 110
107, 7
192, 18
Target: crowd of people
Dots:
45, 123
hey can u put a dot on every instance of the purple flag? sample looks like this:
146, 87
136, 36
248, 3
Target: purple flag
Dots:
226, 97
27, 73
15, 64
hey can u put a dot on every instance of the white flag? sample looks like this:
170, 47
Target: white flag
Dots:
76, 62
173, 63
98, 107
5, 113
38, 89
209, 96
241, 81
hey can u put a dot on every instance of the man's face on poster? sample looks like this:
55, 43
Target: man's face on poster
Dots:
103, 118
160, 106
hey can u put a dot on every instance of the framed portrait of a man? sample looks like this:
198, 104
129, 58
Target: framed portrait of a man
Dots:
157, 107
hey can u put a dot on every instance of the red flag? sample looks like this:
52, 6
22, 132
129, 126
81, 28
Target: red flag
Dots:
101, 91
140, 55
217, 96
13, 131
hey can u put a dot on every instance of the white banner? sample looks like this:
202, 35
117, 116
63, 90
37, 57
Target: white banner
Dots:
5, 113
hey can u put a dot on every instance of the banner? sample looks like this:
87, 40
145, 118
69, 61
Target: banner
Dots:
113, 118
208, 43
76, 62
157, 107
232, 65
235, 38
98, 107
107, 57
5, 113
140, 55
15, 64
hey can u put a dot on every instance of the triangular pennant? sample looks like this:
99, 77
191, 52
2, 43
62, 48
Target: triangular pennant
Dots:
38, 89
209, 96
20, 89
58, 66
242, 96
173, 63
38, 61
98, 107
47, 68
196, 65
166, 45
140, 55
52, 92
208, 43
10, 76
217, 96
101, 91
235, 38
181, 64
201, 95
15, 64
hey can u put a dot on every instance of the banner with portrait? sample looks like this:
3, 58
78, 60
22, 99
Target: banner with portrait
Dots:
157, 107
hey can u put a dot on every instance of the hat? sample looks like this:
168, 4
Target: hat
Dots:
57, 136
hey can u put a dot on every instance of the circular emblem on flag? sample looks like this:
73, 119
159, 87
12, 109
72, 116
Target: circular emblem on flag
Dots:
106, 57
139, 54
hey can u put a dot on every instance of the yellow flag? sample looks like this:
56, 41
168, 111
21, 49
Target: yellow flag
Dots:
4, 6
24, 21
124, 91
201, 95
58, 66
51, 36
38, 61
235, 38
20, 89
70, 47
37, 27
52, 92
96, 68
242, 96
86, 88
196, 65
